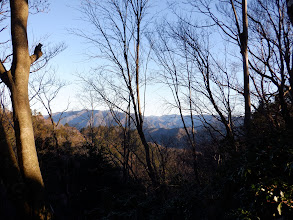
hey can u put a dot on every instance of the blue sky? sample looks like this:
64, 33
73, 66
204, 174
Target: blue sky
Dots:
55, 25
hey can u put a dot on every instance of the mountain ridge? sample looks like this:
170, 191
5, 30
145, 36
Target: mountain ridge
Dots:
82, 118
167, 130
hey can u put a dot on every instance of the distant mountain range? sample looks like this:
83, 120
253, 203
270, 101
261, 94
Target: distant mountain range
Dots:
166, 129
81, 119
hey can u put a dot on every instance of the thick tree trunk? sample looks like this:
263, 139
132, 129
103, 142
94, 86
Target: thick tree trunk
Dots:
26, 151
17, 81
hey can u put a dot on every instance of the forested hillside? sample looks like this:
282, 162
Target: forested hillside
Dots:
224, 69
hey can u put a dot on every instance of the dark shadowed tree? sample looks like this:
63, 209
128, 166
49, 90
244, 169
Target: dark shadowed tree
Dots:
16, 79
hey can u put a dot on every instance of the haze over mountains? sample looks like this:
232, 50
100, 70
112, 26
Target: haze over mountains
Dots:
165, 129
82, 118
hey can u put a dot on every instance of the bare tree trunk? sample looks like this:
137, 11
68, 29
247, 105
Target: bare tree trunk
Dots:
243, 38
17, 81
244, 41
290, 14
128, 31
27, 155
152, 174
151, 171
